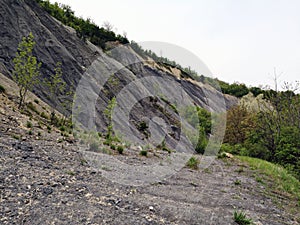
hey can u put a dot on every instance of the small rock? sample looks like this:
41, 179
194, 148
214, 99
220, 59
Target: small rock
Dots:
47, 190
228, 155
151, 208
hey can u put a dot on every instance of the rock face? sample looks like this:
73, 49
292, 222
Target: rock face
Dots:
97, 76
54, 42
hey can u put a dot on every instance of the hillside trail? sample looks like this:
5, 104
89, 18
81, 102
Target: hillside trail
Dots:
44, 180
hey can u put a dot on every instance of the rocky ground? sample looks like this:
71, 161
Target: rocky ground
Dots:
46, 180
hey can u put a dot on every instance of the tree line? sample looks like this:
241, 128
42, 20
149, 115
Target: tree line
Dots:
267, 127
85, 28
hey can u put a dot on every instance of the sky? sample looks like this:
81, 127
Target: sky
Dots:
238, 40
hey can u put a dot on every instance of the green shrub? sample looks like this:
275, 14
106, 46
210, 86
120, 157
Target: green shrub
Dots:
2, 89
49, 128
237, 182
193, 163
29, 124
44, 115
241, 218
120, 149
107, 142
113, 147
36, 101
62, 128
144, 153
142, 126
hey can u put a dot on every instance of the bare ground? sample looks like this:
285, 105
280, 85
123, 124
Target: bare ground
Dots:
46, 181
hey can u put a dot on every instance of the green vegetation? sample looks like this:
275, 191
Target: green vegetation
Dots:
32, 107
26, 68
17, 137
29, 124
193, 163
108, 113
241, 218
120, 149
142, 126
44, 115
200, 119
85, 28
235, 89
94, 146
144, 153
237, 182
2, 89
271, 132
281, 179
58, 93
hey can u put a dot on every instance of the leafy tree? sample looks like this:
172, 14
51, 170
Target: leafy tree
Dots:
239, 123
108, 113
58, 91
26, 67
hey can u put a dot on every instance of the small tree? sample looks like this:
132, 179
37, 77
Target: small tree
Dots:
108, 113
58, 87
26, 68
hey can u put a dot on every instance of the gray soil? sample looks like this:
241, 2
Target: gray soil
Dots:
43, 181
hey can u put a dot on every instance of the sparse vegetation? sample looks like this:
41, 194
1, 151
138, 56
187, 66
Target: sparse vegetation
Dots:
58, 94
49, 128
280, 178
144, 153
120, 149
32, 107
241, 218
193, 163
17, 137
85, 28
26, 68
29, 124
2, 89
108, 113
94, 146
44, 115
142, 126
237, 182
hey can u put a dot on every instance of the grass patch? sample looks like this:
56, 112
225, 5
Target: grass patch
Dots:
44, 115
281, 179
241, 218
120, 149
94, 147
17, 137
237, 182
193, 163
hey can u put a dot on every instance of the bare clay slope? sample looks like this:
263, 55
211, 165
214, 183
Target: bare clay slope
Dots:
58, 43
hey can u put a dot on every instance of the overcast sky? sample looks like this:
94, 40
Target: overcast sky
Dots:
238, 40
